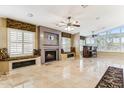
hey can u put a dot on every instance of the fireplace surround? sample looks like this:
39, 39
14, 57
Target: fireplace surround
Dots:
49, 43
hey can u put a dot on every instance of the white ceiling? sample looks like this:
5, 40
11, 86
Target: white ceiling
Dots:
49, 15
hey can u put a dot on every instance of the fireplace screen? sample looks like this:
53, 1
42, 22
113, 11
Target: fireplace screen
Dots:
50, 56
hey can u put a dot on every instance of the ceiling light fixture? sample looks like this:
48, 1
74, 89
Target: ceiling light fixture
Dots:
69, 28
69, 24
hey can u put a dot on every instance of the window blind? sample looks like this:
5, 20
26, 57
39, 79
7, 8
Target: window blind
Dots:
21, 42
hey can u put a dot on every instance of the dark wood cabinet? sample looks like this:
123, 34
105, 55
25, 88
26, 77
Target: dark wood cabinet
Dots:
89, 51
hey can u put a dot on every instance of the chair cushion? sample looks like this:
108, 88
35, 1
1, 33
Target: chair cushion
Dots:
4, 54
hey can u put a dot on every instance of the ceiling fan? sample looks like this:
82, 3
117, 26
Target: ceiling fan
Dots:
69, 24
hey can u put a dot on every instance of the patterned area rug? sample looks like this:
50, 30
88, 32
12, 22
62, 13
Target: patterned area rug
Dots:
113, 78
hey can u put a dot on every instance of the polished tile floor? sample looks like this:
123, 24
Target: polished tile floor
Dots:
72, 73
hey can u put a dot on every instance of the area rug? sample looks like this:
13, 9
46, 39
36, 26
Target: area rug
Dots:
113, 78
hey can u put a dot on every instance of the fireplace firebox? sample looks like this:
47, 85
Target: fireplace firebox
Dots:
50, 56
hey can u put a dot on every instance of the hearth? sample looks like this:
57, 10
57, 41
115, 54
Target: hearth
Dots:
50, 56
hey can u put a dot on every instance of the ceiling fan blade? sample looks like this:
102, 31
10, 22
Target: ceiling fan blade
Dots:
76, 25
64, 22
61, 25
68, 23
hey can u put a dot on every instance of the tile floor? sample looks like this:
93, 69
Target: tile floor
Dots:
72, 73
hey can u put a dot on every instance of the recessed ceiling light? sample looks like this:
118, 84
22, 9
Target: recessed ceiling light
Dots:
30, 15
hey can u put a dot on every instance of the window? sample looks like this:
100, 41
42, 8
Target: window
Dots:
102, 33
90, 41
115, 31
116, 41
21, 42
115, 45
112, 41
122, 44
82, 43
122, 29
66, 44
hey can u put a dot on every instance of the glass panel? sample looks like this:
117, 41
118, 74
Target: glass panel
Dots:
102, 33
82, 43
66, 44
88, 41
122, 29
91, 41
122, 44
111, 40
115, 46
115, 31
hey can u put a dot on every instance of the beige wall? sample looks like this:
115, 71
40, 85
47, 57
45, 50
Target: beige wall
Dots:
36, 38
3, 33
76, 43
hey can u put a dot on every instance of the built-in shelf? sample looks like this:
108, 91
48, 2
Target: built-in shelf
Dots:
7, 66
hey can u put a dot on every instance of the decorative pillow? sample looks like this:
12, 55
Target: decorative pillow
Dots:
4, 54
37, 52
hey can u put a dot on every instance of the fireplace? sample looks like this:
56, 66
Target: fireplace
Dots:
50, 55
49, 43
